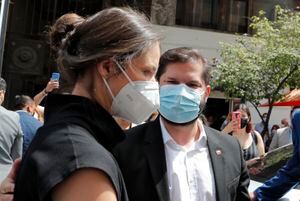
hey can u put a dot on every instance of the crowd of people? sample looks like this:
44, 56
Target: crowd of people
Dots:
76, 150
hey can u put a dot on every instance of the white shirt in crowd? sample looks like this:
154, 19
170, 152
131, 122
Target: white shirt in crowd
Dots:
190, 173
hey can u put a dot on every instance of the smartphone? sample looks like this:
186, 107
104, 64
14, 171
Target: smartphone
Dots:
237, 117
55, 76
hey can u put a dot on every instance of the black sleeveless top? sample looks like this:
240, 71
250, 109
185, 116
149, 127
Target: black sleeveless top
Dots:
77, 133
251, 151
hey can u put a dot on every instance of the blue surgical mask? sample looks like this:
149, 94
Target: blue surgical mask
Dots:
179, 103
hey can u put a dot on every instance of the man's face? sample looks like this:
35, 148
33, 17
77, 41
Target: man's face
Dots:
284, 123
2, 94
189, 73
265, 117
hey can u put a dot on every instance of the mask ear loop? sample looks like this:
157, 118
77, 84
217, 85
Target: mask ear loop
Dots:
201, 109
119, 66
108, 88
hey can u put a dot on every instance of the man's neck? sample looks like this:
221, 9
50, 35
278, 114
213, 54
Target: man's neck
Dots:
183, 135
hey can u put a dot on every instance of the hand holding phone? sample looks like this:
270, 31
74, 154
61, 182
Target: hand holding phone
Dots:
236, 120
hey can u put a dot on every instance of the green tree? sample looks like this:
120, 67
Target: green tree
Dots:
261, 66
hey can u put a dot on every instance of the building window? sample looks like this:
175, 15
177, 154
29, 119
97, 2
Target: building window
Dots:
225, 16
221, 15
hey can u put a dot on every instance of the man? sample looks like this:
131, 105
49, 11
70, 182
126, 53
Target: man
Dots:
259, 127
11, 137
25, 107
282, 136
284, 123
175, 157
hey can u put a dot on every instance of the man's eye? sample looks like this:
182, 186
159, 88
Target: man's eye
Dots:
172, 82
194, 86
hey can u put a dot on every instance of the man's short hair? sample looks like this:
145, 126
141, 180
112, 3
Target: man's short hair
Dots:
182, 55
2, 84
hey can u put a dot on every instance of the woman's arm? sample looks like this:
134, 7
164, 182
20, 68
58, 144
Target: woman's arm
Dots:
228, 128
51, 85
85, 184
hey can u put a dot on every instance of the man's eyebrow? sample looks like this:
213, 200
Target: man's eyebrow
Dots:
194, 82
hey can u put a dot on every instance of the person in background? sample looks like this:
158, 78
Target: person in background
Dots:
226, 121
289, 175
259, 127
176, 157
25, 107
11, 136
251, 141
39, 112
269, 138
282, 136
284, 123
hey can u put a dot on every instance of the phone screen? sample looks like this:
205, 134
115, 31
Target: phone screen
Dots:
55, 76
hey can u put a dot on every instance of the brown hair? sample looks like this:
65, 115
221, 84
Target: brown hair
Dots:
244, 108
60, 28
182, 55
120, 34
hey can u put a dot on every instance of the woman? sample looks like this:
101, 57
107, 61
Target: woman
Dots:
250, 140
111, 57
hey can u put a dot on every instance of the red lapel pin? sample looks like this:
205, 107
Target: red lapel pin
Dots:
218, 152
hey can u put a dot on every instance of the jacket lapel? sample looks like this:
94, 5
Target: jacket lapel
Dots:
218, 163
155, 153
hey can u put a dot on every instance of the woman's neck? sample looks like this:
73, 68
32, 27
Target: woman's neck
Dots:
92, 89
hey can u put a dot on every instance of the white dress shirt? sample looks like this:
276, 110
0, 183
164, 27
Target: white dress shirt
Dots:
190, 174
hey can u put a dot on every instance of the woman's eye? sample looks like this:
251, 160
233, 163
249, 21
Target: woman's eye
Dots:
146, 72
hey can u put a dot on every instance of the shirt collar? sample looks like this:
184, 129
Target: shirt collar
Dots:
201, 142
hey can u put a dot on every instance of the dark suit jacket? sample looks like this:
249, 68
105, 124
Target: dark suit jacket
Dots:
141, 158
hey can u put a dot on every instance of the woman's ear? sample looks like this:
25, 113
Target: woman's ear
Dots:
106, 68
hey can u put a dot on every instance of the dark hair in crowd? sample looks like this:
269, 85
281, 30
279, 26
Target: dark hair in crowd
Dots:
120, 34
182, 55
275, 126
60, 28
21, 101
2, 84
244, 108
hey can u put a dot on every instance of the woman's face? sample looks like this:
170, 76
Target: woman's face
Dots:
142, 68
244, 114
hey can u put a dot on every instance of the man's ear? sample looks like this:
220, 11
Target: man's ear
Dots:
106, 68
207, 92
2, 95
28, 109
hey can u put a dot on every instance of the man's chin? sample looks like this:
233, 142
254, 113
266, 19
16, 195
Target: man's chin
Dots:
179, 124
